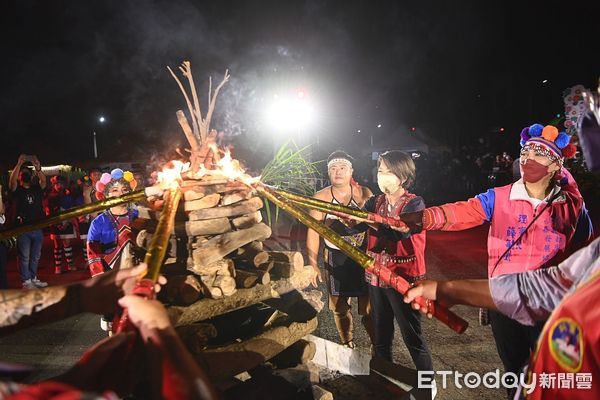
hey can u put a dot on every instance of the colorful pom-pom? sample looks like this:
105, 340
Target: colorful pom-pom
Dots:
569, 150
99, 196
99, 186
525, 134
116, 173
535, 130
550, 133
128, 176
105, 178
562, 140
523, 141
133, 184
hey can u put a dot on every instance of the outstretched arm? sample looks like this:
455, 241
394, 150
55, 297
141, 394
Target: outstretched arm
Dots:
14, 174
23, 308
181, 375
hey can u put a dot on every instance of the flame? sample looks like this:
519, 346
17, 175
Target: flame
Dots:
226, 167
171, 173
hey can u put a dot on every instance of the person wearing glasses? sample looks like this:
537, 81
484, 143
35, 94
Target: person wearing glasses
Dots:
535, 222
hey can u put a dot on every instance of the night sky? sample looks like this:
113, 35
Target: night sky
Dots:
455, 70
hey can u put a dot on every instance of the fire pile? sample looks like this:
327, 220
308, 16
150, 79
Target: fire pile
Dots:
235, 302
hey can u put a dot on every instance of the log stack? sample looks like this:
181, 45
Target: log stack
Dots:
220, 272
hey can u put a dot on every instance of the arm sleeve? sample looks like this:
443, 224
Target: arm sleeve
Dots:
416, 204
460, 215
94, 248
531, 296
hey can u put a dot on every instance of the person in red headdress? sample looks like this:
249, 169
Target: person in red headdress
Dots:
535, 222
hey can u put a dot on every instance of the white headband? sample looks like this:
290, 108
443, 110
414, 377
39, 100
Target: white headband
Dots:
339, 160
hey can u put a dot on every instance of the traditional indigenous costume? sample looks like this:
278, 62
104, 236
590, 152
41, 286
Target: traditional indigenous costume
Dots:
404, 255
58, 201
525, 233
110, 238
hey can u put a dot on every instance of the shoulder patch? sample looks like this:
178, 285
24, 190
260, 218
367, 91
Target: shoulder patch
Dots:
565, 341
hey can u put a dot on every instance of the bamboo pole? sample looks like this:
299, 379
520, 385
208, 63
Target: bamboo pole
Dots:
400, 284
75, 212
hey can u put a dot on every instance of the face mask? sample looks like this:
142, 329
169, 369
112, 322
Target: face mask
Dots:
532, 171
388, 183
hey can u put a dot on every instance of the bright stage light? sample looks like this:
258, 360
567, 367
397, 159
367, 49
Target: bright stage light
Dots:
290, 114
101, 119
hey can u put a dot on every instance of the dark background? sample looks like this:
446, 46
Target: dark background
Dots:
455, 71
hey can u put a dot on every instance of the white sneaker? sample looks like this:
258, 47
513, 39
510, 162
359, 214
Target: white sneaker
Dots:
28, 284
38, 283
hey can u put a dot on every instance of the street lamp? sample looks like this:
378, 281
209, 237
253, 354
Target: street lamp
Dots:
101, 119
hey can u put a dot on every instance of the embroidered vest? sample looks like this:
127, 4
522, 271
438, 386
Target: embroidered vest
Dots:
413, 247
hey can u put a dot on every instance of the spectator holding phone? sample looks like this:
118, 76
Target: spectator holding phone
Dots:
28, 195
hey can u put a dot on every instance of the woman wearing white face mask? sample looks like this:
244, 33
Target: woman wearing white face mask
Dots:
402, 253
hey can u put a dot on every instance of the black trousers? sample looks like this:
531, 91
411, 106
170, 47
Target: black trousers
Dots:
387, 304
514, 342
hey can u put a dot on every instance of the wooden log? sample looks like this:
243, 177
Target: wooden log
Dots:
298, 353
225, 283
219, 246
285, 263
196, 336
318, 393
245, 279
191, 195
234, 197
223, 267
183, 289
208, 188
255, 245
251, 258
205, 202
205, 227
227, 361
241, 208
297, 304
207, 308
301, 376
246, 221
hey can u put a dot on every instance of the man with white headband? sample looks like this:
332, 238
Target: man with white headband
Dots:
345, 278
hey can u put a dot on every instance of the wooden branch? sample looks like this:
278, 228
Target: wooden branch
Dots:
221, 245
185, 126
197, 112
189, 104
205, 124
234, 210
208, 308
